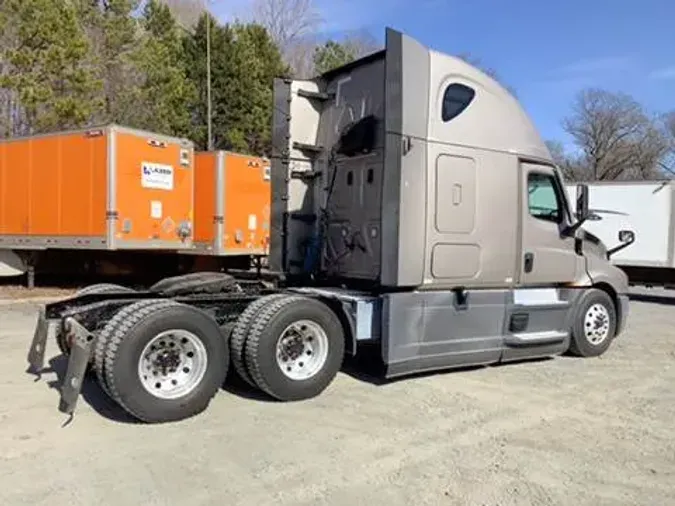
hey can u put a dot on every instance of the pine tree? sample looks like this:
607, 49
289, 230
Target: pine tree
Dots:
332, 55
244, 62
195, 53
48, 67
165, 92
113, 33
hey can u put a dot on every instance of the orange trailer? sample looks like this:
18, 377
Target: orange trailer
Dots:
109, 188
232, 204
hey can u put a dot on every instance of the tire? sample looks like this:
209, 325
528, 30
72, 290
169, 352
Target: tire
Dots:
202, 282
325, 337
240, 334
112, 328
199, 344
87, 290
595, 307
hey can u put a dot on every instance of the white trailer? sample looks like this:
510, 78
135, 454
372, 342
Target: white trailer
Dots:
648, 209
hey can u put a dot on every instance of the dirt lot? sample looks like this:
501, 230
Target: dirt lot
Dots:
562, 431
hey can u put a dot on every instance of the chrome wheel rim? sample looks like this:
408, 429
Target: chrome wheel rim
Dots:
596, 324
172, 364
302, 350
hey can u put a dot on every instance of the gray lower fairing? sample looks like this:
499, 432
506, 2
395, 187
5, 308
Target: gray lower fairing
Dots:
432, 330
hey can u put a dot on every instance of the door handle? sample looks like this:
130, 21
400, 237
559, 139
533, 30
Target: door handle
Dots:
529, 262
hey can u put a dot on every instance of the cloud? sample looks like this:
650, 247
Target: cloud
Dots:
665, 73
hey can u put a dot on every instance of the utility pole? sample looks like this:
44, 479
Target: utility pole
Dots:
208, 79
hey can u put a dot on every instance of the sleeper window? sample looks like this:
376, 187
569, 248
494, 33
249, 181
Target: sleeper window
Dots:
456, 98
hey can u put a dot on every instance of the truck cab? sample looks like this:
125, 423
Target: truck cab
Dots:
414, 176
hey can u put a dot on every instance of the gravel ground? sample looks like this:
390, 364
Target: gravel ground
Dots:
561, 431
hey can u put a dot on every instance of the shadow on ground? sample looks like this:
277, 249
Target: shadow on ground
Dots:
662, 299
367, 367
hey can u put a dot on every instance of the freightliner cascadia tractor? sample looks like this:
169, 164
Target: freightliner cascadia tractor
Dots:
415, 210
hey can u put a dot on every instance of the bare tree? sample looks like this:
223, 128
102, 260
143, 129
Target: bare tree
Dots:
617, 138
187, 12
287, 21
668, 162
299, 56
361, 43
572, 166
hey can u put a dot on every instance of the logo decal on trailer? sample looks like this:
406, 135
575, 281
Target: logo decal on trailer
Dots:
157, 176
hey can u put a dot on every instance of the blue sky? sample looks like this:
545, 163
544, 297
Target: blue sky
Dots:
546, 50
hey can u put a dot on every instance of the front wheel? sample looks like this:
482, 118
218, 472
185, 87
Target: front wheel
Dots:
594, 325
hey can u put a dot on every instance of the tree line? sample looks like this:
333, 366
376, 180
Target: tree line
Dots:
142, 63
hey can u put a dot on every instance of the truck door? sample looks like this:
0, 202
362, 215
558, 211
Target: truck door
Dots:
548, 256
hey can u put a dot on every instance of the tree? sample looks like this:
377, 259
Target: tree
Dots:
113, 34
292, 25
332, 54
245, 61
46, 66
572, 167
166, 93
617, 138
287, 21
187, 12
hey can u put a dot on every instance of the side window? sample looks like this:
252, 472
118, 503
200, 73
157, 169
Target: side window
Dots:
543, 199
456, 98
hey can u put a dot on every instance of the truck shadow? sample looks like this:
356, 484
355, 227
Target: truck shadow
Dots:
91, 393
369, 367
662, 299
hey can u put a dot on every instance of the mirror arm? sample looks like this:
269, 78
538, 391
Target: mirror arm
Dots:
619, 247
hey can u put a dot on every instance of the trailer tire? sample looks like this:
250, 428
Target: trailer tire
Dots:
594, 324
193, 351
240, 334
299, 365
91, 289
206, 283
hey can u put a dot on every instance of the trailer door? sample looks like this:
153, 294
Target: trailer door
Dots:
548, 256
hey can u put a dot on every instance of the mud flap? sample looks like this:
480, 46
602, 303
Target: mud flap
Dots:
80, 354
36, 354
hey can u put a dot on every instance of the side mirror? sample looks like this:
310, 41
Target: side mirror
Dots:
582, 211
626, 236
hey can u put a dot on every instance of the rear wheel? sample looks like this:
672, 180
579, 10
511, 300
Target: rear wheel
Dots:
240, 334
165, 361
294, 348
61, 337
595, 324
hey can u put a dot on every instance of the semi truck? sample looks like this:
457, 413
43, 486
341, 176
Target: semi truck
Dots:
647, 208
415, 211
